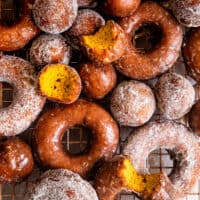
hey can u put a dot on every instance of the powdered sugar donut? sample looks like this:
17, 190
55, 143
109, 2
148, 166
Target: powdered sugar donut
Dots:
187, 12
54, 16
175, 95
174, 137
132, 103
61, 184
48, 49
27, 103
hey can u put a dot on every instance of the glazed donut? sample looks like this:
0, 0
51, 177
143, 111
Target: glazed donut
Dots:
132, 103
54, 16
19, 34
174, 137
53, 124
191, 54
27, 102
48, 49
61, 184
194, 117
186, 11
142, 66
119, 174
16, 160
97, 79
175, 95
120, 8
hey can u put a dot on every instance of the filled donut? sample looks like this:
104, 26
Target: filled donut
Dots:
27, 102
16, 36
60, 184
171, 136
139, 65
53, 124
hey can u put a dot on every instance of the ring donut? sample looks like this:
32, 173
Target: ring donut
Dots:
174, 137
27, 102
19, 34
143, 66
53, 124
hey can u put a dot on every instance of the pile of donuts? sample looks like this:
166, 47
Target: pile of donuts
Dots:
83, 53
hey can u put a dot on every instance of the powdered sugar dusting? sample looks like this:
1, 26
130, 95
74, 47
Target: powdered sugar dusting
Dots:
61, 184
173, 136
132, 103
175, 95
27, 103
48, 49
55, 16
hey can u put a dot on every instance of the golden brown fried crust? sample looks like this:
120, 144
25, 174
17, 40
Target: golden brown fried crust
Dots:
18, 35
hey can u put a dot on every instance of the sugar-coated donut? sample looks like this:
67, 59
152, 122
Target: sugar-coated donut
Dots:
194, 118
16, 160
120, 8
191, 54
107, 45
174, 137
175, 95
97, 79
27, 102
53, 124
19, 34
48, 49
55, 16
139, 65
186, 11
60, 184
86, 3
132, 103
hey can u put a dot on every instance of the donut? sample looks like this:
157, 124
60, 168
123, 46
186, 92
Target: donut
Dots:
139, 65
171, 136
107, 45
197, 92
61, 184
97, 79
191, 53
48, 49
27, 102
54, 16
194, 118
19, 34
16, 160
175, 95
119, 174
132, 103
86, 3
120, 8
53, 124
60, 83
186, 11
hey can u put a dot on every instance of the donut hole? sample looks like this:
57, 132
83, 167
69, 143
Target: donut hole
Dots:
147, 37
6, 94
77, 140
10, 12
161, 160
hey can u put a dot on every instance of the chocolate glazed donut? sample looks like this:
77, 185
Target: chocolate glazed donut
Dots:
143, 66
19, 34
53, 124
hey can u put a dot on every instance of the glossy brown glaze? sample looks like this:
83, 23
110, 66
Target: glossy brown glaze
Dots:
48, 49
121, 8
194, 118
19, 34
16, 161
53, 124
139, 65
186, 11
191, 54
54, 16
97, 79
